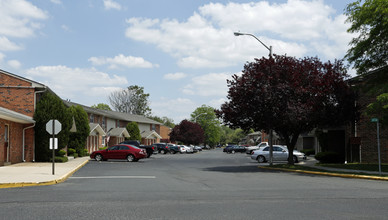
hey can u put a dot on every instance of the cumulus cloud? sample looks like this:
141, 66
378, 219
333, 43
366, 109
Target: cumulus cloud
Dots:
19, 18
122, 61
58, 2
110, 4
175, 76
206, 39
7, 45
76, 83
14, 64
212, 84
177, 109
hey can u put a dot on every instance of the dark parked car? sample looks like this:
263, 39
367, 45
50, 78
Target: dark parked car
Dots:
121, 151
162, 148
174, 148
149, 149
234, 149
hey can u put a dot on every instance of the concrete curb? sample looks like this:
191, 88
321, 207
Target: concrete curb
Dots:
45, 183
358, 176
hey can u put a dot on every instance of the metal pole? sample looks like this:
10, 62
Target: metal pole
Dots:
378, 147
270, 147
53, 145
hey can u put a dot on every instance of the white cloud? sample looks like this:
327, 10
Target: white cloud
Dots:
14, 64
7, 45
212, 84
177, 109
77, 83
110, 4
2, 56
65, 28
122, 61
206, 39
175, 76
18, 18
58, 2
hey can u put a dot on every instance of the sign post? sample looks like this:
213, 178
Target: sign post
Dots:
378, 142
53, 127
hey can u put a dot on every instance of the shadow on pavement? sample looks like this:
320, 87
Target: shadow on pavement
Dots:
240, 169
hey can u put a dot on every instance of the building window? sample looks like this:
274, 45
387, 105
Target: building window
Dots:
154, 127
91, 118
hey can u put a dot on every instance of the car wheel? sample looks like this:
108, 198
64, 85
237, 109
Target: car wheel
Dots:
260, 159
98, 157
130, 158
163, 152
233, 151
149, 155
295, 159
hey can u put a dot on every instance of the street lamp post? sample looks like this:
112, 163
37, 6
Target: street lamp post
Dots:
270, 130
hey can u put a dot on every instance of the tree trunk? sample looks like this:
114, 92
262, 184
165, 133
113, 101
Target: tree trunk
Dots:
290, 147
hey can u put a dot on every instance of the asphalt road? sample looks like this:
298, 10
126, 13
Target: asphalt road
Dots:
207, 185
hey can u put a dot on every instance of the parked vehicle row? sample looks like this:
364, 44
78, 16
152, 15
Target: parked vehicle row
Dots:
279, 153
231, 149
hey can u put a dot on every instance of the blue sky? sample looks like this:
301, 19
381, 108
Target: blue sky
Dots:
181, 52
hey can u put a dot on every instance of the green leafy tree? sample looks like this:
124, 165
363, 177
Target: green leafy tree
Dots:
379, 109
134, 131
206, 117
369, 19
164, 120
50, 107
78, 139
102, 106
132, 100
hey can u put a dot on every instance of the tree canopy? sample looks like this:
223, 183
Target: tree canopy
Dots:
164, 120
102, 106
132, 100
288, 95
134, 131
188, 133
379, 109
369, 50
206, 117
77, 140
50, 107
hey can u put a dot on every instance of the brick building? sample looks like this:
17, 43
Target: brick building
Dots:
362, 146
18, 98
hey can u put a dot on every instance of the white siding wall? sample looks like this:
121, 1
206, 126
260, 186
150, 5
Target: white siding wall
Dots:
111, 123
144, 127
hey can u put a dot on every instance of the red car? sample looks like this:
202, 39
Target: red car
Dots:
121, 151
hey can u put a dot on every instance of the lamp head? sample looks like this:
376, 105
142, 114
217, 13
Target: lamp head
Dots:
237, 34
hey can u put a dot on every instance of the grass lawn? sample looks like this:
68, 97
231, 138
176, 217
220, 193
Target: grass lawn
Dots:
341, 166
358, 166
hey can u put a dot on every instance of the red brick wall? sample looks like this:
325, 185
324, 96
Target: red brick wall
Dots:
16, 99
16, 142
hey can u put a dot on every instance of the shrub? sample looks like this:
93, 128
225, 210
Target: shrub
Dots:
83, 152
60, 159
329, 157
70, 151
103, 148
60, 153
308, 152
75, 155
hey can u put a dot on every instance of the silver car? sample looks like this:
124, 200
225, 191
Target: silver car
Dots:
280, 153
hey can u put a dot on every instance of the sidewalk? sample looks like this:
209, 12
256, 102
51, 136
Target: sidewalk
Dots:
33, 174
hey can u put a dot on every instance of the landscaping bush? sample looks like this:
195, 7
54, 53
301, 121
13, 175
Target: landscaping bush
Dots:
75, 155
70, 151
308, 152
60, 159
329, 157
60, 153
83, 153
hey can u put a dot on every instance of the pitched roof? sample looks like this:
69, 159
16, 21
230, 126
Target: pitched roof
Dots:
117, 132
115, 115
97, 127
15, 116
148, 134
